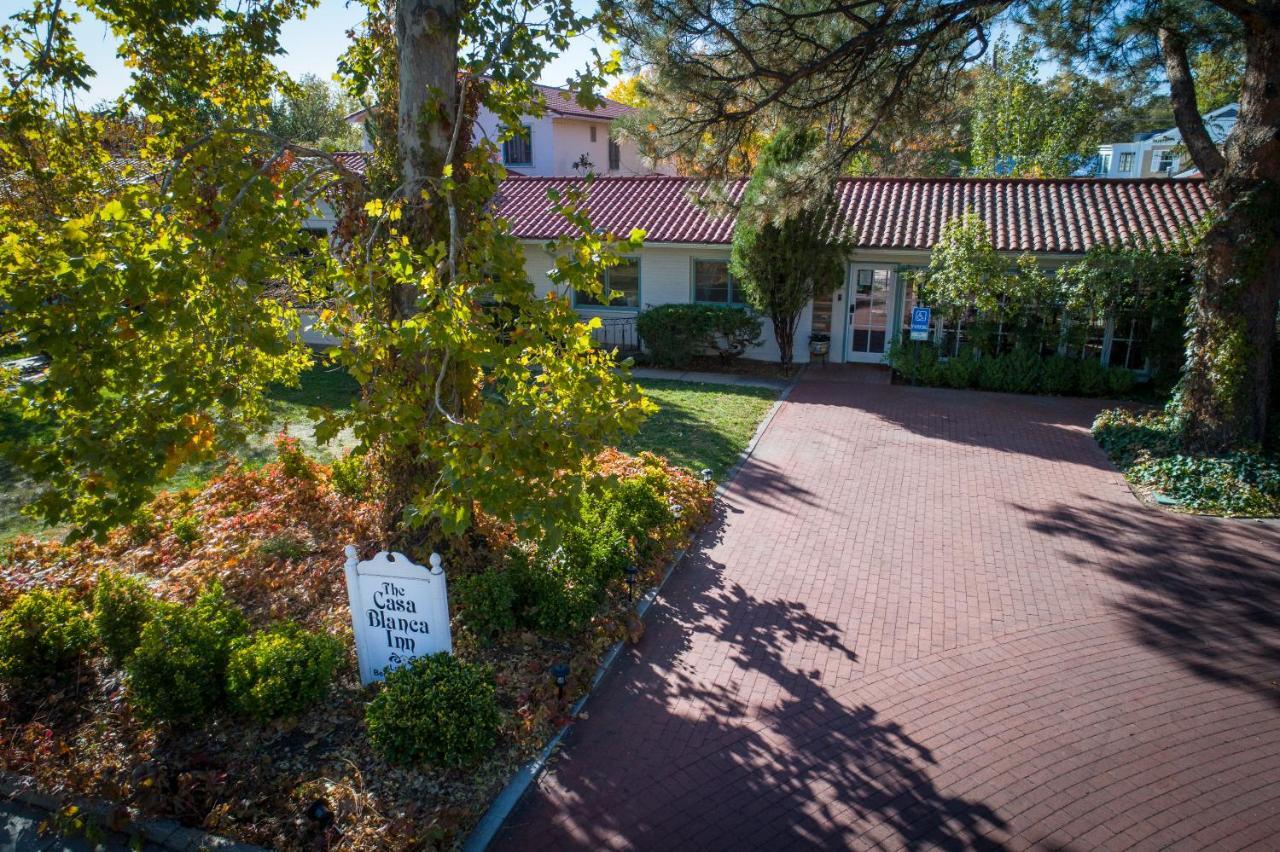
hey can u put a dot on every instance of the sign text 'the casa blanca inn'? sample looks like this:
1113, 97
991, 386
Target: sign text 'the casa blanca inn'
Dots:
399, 610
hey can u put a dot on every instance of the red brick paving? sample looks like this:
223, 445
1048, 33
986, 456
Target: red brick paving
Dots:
933, 618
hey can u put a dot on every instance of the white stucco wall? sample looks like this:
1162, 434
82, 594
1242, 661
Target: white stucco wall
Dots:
666, 277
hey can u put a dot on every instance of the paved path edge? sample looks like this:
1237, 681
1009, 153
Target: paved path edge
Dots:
506, 800
165, 833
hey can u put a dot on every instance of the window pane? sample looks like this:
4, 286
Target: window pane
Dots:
518, 150
623, 280
711, 281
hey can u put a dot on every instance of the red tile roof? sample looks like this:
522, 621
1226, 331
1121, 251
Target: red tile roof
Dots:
1053, 216
559, 102
563, 102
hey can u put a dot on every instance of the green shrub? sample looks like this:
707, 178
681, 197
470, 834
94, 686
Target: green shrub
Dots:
42, 636
287, 545
631, 508
281, 671
292, 459
916, 361
676, 334
186, 529
486, 603
555, 594
991, 373
961, 370
1058, 376
179, 667
437, 710
349, 477
1120, 381
1091, 377
122, 606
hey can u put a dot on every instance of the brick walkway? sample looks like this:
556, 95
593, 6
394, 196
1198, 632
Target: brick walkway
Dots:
934, 618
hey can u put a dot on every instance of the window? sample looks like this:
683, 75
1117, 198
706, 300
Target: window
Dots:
1104, 163
593, 133
1126, 163
615, 155
1128, 333
1167, 162
712, 283
621, 284
518, 150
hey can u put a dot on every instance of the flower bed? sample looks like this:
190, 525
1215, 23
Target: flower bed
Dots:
272, 539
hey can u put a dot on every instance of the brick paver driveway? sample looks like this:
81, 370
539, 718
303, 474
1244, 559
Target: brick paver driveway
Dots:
934, 618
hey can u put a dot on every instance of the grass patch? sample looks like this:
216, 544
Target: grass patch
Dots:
1147, 449
700, 425
321, 386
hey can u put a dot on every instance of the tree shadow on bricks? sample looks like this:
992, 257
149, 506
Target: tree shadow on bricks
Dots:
1050, 428
1203, 591
766, 484
720, 730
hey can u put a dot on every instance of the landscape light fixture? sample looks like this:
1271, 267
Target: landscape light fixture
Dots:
560, 671
629, 575
319, 813
706, 474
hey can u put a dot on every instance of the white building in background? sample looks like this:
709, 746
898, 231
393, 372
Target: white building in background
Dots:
568, 140
1161, 154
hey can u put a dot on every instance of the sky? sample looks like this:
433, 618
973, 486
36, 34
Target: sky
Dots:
313, 46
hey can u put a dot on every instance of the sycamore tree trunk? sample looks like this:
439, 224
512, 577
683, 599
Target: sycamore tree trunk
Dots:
1227, 385
426, 36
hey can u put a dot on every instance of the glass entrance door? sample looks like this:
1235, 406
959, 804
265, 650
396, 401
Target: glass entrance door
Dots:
870, 307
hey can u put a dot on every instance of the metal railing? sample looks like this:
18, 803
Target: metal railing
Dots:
617, 333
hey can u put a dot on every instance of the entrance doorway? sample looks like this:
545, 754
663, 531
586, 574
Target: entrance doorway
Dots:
871, 297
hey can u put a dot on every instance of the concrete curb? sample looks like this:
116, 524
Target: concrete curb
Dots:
160, 832
505, 802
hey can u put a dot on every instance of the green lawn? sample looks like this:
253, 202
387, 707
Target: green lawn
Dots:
699, 426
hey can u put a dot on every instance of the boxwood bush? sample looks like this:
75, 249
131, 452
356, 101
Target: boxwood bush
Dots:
179, 667
281, 671
557, 589
486, 603
676, 334
1019, 371
42, 636
122, 606
437, 709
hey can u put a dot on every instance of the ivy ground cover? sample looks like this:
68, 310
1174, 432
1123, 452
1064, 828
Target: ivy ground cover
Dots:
1148, 449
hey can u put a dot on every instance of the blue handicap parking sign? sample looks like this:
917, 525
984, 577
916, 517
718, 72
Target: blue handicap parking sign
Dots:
920, 323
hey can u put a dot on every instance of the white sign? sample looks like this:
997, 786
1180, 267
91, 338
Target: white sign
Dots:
399, 611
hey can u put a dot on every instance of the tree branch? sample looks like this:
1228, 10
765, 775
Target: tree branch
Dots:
1182, 91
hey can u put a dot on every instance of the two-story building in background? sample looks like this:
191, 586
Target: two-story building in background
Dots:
1161, 153
567, 140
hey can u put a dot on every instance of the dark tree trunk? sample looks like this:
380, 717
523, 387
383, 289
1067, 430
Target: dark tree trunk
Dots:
784, 332
1228, 377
